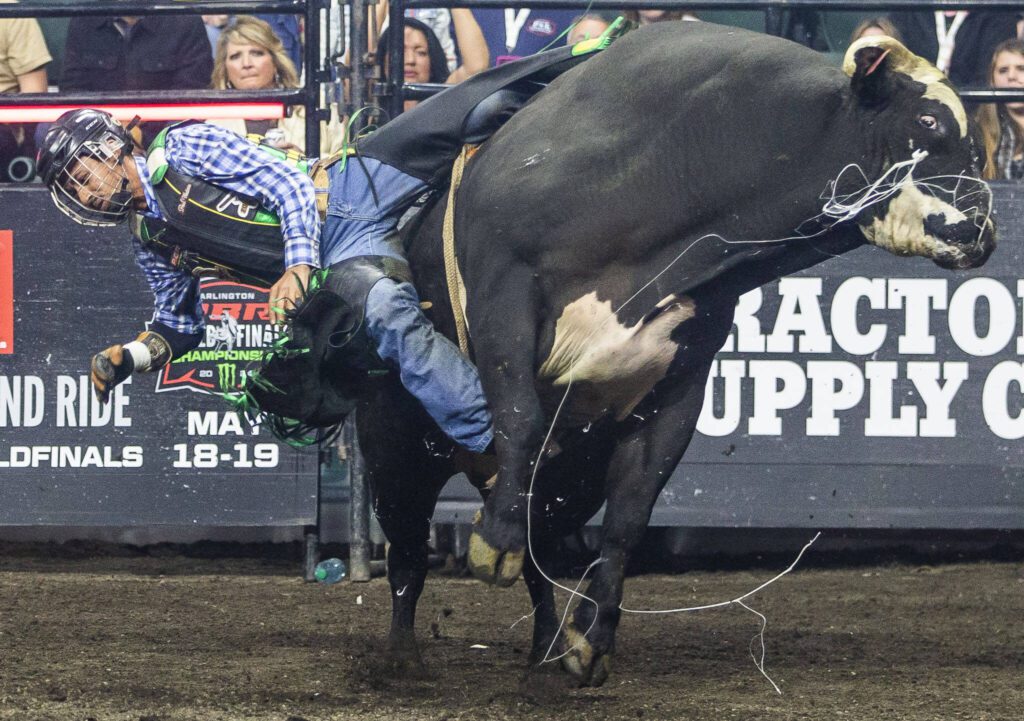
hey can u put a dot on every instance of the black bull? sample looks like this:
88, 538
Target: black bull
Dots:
604, 235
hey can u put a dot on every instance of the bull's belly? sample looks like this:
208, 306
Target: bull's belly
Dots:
610, 366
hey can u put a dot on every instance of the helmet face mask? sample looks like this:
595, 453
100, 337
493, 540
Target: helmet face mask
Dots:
82, 162
93, 187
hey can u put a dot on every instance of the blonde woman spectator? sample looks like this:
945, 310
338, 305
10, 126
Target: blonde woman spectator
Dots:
249, 56
1002, 124
875, 26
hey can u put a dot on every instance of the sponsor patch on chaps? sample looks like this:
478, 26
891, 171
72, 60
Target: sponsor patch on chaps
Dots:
237, 333
183, 203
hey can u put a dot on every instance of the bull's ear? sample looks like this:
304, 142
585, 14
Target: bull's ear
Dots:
869, 68
870, 62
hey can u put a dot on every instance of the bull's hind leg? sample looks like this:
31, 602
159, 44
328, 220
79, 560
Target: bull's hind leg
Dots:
407, 463
545, 620
647, 451
644, 458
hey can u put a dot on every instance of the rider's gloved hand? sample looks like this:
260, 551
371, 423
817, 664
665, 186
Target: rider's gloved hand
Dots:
110, 367
113, 365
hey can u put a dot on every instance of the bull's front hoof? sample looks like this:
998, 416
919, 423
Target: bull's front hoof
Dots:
498, 568
589, 668
402, 655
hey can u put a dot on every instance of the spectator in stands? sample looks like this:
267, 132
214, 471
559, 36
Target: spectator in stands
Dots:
214, 25
160, 52
445, 21
585, 27
425, 60
1002, 124
512, 33
646, 17
880, 25
959, 43
439, 20
250, 56
23, 60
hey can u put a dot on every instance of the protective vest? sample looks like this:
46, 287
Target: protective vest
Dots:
211, 230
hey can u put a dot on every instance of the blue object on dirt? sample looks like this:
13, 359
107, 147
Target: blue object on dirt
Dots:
330, 571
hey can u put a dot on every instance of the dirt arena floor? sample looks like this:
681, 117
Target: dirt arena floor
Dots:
161, 637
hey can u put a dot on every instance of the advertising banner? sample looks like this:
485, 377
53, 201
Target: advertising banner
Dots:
166, 449
869, 391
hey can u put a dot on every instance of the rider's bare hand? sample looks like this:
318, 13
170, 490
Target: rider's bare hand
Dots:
287, 292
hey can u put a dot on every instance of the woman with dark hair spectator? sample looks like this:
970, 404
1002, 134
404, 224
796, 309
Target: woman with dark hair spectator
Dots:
250, 56
1002, 124
879, 25
425, 60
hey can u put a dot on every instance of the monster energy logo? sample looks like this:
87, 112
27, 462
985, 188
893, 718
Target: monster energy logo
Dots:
227, 375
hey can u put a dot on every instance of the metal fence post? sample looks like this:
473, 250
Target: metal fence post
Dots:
396, 58
314, 74
359, 506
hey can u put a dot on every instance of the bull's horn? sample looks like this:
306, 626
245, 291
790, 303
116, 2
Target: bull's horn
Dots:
900, 59
903, 61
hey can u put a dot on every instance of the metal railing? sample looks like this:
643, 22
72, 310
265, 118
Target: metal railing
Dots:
307, 96
394, 91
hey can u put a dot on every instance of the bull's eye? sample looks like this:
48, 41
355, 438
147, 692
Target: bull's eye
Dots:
928, 121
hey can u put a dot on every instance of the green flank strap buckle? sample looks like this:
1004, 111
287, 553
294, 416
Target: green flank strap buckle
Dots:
602, 41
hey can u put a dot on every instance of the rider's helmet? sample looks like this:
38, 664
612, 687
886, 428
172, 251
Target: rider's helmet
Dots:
80, 160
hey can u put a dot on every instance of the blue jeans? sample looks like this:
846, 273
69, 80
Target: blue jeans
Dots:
430, 366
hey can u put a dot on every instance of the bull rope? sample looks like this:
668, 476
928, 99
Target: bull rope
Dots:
451, 264
837, 209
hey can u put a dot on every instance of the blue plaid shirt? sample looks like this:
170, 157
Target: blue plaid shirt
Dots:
225, 159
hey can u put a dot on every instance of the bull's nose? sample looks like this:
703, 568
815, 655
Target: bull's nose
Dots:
959, 234
986, 243
973, 254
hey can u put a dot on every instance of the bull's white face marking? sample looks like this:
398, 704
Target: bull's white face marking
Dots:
615, 365
901, 229
920, 70
942, 93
